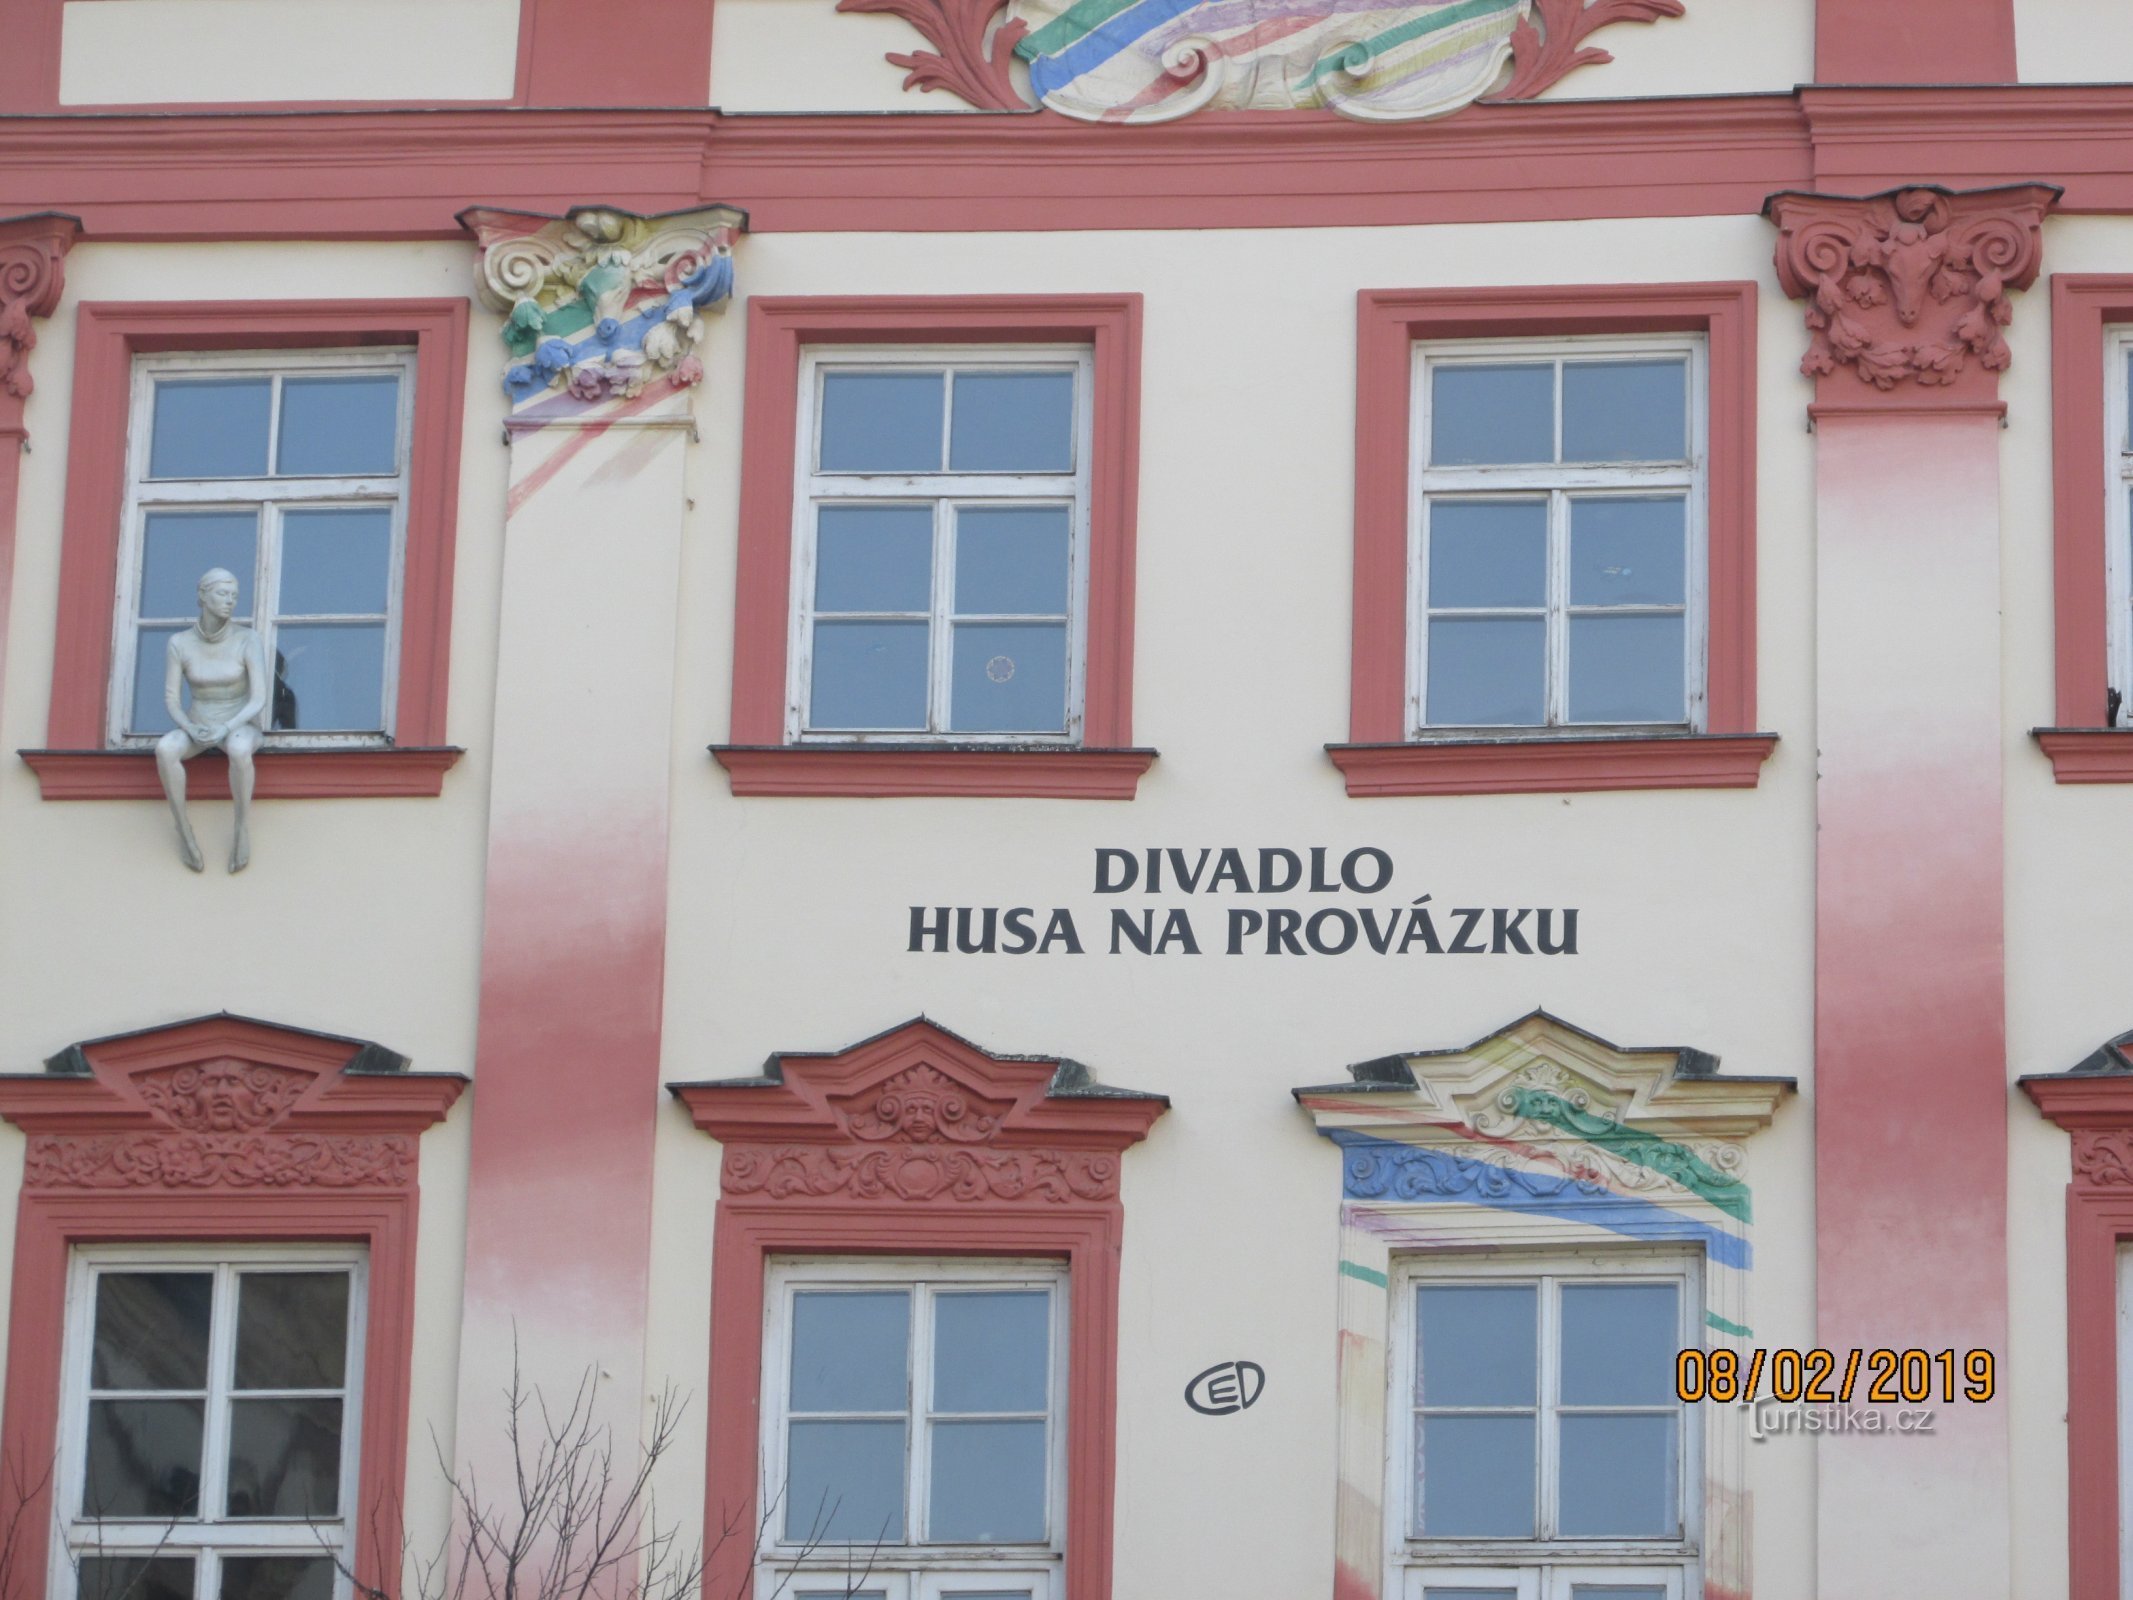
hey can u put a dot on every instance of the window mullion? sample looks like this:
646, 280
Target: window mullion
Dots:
221, 1379
1549, 1395
919, 1398
939, 691
1557, 712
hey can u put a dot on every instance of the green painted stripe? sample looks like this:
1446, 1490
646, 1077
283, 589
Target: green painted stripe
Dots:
1378, 44
1663, 1156
1714, 1320
1082, 17
1350, 1269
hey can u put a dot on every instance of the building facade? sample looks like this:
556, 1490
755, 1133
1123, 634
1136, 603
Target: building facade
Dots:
1197, 797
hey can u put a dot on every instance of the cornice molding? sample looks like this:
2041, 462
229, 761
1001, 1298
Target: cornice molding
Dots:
1907, 291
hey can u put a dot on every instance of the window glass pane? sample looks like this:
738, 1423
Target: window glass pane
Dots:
151, 1330
869, 675
1477, 1344
991, 1352
1618, 1477
151, 659
1477, 1477
988, 1482
874, 558
178, 548
136, 1578
850, 1351
336, 563
292, 1330
1626, 410
143, 1459
1012, 422
1011, 560
1629, 552
1619, 1343
277, 1578
285, 1458
210, 428
342, 427
1010, 677
844, 1482
1488, 553
881, 421
1484, 415
1487, 672
330, 676
1626, 669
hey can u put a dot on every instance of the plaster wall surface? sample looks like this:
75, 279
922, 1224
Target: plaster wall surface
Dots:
145, 52
1716, 48
2072, 41
789, 918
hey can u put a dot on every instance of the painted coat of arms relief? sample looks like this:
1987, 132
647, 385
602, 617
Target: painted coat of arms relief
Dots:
1158, 60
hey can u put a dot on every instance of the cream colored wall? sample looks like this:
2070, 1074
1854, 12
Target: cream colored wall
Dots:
2072, 41
1717, 48
119, 52
359, 917
789, 916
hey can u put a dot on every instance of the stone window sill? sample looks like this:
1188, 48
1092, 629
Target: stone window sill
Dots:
887, 770
1554, 766
2088, 755
282, 774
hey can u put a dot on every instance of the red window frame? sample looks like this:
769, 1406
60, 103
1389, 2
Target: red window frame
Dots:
759, 760
839, 1155
1379, 758
331, 1155
2082, 745
76, 765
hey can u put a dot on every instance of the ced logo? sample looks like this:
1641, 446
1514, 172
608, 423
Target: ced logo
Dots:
1226, 1387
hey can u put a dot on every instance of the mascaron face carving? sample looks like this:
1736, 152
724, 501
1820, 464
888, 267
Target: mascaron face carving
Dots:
921, 1105
1911, 286
221, 1096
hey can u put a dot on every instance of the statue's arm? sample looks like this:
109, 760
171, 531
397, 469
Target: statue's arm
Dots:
173, 686
255, 671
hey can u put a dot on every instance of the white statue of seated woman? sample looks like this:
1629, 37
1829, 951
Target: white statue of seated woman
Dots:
225, 666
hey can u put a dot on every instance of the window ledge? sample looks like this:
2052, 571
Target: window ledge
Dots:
1555, 766
1058, 772
2088, 755
282, 774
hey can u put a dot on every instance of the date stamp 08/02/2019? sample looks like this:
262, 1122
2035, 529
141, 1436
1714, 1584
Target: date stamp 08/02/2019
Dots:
1822, 1377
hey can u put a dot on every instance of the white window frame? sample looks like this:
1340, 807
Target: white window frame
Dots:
914, 1569
943, 491
1542, 1568
2118, 518
259, 589
207, 1540
1557, 483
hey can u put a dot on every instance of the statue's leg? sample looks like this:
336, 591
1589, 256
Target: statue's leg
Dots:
239, 747
173, 750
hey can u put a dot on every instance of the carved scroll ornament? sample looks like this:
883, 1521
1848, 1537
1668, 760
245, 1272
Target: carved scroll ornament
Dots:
33, 254
214, 1160
1407, 61
1910, 287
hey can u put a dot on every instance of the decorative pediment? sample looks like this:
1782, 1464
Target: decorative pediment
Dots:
224, 1102
920, 1115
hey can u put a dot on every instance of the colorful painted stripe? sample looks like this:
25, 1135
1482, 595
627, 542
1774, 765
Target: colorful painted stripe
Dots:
1436, 21
1363, 1274
1663, 1156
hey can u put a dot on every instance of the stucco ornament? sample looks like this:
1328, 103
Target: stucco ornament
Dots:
225, 666
33, 255
1909, 287
1158, 60
603, 304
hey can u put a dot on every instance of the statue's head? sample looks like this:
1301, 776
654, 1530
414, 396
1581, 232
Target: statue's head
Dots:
218, 592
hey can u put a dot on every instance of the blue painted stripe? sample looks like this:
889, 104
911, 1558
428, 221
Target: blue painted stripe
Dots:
1047, 74
1430, 1177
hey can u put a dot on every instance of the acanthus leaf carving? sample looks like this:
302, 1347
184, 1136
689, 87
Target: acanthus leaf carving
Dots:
33, 253
919, 1173
227, 1096
193, 1161
1541, 57
2104, 1158
970, 57
1909, 287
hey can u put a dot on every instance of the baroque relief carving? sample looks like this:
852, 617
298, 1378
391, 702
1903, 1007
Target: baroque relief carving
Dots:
923, 1106
1912, 286
219, 1160
921, 1172
221, 1096
603, 303
1152, 62
33, 253
2104, 1158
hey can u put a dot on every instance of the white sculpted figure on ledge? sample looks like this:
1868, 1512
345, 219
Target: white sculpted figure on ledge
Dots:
223, 663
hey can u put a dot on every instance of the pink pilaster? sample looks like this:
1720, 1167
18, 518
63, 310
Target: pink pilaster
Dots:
1907, 294
567, 1067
